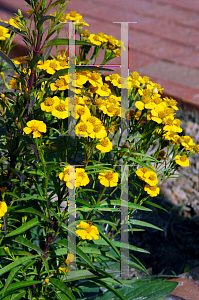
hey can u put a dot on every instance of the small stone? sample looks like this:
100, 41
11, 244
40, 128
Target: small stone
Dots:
195, 171
180, 195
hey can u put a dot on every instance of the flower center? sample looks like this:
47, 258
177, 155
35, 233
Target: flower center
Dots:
104, 143
109, 176
97, 127
49, 101
60, 107
81, 111
183, 158
60, 82
53, 65
83, 127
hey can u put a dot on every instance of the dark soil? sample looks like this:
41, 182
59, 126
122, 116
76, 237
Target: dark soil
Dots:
173, 250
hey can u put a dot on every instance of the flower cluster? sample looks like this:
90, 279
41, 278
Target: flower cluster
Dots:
151, 180
74, 177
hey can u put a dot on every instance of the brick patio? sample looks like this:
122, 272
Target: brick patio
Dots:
164, 44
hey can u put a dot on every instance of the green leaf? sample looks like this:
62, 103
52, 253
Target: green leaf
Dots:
54, 4
143, 289
8, 60
34, 61
109, 242
110, 288
19, 285
30, 210
45, 264
144, 224
119, 244
27, 243
124, 204
20, 261
24, 227
155, 205
18, 296
42, 20
63, 288
14, 252
64, 243
56, 42
10, 278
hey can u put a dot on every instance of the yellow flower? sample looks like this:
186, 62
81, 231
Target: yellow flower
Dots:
3, 209
117, 52
85, 33
153, 191
82, 178
15, 84
102, 90
108, 178
49, 103
105, 145
37, 127
83, 112
20, 60
95, 39
4, 33
151, 178
61, 84
141, 173
69, 172
74, 16
139, 105
84, 129
88, 231
99, 131
81, 23
60, 109
15, 22
183, 160
46, 281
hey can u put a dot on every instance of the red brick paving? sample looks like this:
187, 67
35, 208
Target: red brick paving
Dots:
166, 30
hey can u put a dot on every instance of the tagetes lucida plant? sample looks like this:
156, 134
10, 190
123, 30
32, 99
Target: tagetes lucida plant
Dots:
58, 156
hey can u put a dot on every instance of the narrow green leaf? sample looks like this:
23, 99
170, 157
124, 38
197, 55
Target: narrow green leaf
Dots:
45, 264
56, 42
8, 60
144, 224
109, 242
42, 20
32, 223
155, 205
63, 288
19, 296
54, 4
10, 278
19, 285
23, 241
123, 203
14, 252
30, 210
119, 244
34, 61
20, 261
110, 288
64, 243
